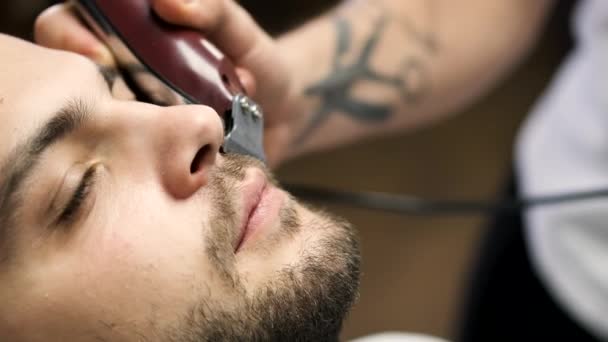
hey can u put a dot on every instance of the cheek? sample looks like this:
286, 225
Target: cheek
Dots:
139, 266
149, 252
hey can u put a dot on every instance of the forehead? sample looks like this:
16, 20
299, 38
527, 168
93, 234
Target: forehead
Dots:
34, 82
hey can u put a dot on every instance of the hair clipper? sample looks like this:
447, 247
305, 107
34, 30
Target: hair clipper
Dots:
173, 65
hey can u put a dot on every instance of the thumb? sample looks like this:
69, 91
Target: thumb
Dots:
59, 28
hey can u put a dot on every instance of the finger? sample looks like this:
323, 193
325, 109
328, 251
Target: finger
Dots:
223, 22
247, 80
203, 15
234, 32
59, 28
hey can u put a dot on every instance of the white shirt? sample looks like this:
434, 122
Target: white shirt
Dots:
563, 148
398, 337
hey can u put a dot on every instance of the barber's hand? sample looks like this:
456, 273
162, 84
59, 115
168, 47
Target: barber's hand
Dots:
224, 23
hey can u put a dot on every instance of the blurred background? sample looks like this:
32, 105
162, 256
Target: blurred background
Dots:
415, 269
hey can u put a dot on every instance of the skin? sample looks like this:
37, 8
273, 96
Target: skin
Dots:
151, 255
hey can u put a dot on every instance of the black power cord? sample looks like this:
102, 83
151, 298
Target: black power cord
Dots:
412, 205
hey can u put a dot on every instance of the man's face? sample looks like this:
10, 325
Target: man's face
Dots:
119, 221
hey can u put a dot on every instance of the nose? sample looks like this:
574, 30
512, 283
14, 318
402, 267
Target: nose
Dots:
187, 144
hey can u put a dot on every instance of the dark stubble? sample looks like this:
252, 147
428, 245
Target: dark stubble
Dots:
304, 302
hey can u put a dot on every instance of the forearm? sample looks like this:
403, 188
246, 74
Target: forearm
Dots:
373, 67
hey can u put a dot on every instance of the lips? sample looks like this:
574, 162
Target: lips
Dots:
254, 188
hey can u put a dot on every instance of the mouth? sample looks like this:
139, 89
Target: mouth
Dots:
254, 190
262, 203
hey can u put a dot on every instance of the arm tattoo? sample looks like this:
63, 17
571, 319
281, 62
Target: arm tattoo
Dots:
335, 91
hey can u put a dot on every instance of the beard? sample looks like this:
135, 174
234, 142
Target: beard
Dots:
305, 301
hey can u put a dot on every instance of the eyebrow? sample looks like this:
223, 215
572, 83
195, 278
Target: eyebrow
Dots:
24, 158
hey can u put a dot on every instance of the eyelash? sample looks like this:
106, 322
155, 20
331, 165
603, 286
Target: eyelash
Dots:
70, 212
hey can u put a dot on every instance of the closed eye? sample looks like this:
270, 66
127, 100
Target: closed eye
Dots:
71, 211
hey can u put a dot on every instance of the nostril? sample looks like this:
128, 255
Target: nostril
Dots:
199, 158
